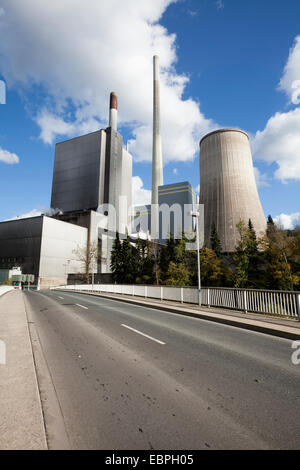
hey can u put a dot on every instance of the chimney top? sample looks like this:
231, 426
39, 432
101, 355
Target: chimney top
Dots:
113, 100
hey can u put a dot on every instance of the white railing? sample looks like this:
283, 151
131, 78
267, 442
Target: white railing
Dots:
4, 289
283, 303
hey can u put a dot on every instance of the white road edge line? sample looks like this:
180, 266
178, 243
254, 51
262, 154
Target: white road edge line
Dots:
143, 334
60, 297
82, 306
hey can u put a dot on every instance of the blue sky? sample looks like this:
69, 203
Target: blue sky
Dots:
227, 63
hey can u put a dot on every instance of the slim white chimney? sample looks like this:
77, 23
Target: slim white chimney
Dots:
157, 166
113, 111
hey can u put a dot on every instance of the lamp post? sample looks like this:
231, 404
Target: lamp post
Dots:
196, 215
66, 265
93, 272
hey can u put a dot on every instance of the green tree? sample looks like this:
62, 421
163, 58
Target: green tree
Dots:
271, 228
177, 275
138, 261
167, 254
241, 258
128, 264
148, 265
281, 255
254, 258
215, 241
116, 265
211, 268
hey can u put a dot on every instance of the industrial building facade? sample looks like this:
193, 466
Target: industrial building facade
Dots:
42, 246
91, 198
175, 202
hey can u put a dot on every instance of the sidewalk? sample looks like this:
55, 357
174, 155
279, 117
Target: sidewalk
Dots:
21, 418
282, 327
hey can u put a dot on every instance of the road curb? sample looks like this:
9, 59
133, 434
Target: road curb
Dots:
35, 374
259, 326
22, 422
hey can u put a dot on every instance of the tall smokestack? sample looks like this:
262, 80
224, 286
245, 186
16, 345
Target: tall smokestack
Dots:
157, 166
113, 111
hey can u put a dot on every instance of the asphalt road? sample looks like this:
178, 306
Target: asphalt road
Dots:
130, 377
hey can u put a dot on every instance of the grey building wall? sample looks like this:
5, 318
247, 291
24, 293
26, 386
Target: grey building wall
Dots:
42, 246
20, 244
126, 192
91, 172
227, 186
78, 176
57, 256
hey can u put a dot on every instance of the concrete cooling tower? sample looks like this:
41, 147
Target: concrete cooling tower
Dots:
227, 186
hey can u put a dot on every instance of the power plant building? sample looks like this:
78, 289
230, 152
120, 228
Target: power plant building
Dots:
42, 246
94, 170
91, 199
175, 202
228, 188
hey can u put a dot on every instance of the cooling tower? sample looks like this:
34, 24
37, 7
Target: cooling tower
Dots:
227, 186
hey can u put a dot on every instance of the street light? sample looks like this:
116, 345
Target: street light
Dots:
93, 272
66, 265
196, 215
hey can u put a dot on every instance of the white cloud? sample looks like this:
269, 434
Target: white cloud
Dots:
140, 195
81, 51
193, 12
290, 81
8, 157
220, 4
36, 213
260, 178
288, 221
280, 142
27, 215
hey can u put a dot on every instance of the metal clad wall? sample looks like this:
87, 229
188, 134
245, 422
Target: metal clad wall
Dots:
76, 176
20, 244
142, 219
177, 193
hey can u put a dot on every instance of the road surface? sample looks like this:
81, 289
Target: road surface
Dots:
131, 377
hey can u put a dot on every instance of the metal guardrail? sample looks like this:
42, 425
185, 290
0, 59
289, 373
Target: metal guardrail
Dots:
282, 303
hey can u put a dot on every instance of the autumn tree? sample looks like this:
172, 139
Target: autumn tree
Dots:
177, 275
241, 258
281, 256
88, 256
211, 268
